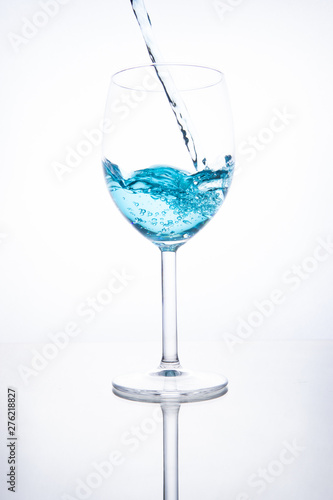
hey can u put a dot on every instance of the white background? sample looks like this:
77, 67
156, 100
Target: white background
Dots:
61, 240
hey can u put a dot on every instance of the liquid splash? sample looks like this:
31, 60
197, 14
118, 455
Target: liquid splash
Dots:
166, 204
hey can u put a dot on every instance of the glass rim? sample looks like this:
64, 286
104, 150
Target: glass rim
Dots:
218, 80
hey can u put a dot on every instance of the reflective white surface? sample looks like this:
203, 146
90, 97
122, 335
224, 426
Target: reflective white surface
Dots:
270, 437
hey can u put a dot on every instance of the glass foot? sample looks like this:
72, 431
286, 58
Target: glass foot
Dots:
170, 384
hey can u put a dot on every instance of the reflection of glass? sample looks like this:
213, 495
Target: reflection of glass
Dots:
170, 411
166, 193
170, 451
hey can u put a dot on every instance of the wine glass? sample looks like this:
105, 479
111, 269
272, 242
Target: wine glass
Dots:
168, 164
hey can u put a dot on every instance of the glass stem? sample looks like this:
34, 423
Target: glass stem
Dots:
170, 451
169, 311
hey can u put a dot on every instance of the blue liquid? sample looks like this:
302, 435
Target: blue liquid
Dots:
176, 102
167, 205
